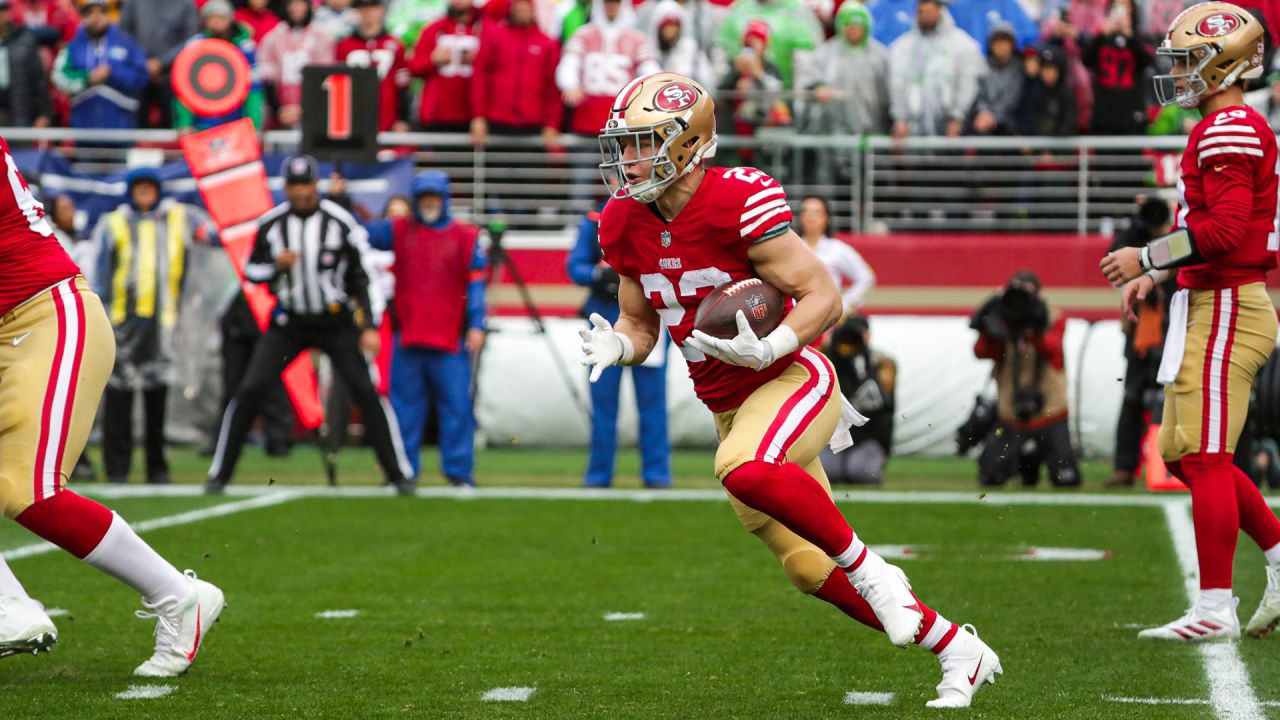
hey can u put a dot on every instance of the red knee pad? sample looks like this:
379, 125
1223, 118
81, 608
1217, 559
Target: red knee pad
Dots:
74, 523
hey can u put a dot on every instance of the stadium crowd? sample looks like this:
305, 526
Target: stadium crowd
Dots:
540, 67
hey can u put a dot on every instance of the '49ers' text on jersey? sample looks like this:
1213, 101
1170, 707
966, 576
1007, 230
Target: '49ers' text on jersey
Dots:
1227, 198
31, 260
678, 263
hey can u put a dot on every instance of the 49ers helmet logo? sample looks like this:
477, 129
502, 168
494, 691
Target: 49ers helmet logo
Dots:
1218, 25
675, 96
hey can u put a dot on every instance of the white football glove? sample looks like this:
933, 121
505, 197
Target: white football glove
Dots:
746, 350
602, 347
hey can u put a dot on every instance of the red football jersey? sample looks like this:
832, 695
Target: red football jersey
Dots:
385, 54
31, 260
678, 263
1227, 198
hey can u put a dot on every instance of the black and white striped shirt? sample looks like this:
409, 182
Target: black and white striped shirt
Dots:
332, 270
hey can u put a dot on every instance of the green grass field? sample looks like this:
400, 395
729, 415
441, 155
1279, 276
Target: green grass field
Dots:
457, 596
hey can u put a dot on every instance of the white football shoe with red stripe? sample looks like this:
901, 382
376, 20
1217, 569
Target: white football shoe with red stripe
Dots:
886, 590
25, 628
967, 665
1198, 626
1267, 617
182, 624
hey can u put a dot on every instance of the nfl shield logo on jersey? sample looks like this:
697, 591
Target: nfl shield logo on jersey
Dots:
666, 238
759, 308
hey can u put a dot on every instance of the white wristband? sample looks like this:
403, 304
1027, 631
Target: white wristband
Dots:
783, 341
1144, 259
1158, 276
628, 348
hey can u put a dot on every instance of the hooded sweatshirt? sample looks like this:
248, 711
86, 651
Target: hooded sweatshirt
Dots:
933, 77
600, 58
861, 103
285, 51
1000, 90
684, 57
439, 272
514, 81
793, 31
446, 93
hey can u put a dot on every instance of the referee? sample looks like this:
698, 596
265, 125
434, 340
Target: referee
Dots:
312, 254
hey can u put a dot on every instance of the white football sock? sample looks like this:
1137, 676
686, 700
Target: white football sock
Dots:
9, 584
124, 556
851, 554
1216, 600
1273, 556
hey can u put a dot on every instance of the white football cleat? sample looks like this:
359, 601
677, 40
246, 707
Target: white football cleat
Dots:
1267, 617
25, 629
886, 590
967, 665
182, 624
1199, 626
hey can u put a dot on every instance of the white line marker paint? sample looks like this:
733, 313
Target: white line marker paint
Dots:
57, 612
1131, 626
145, 692
337, 614
1230, 692
895, 552
615, 616
275, 498
508, 694
1172, 701
1048, 553
868, 698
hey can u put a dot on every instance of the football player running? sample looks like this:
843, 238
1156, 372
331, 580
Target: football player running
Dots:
56, 352
674, 230
1222, 325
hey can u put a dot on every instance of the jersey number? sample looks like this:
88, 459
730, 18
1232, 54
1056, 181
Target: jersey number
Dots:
337, 88
749, 175
672, 312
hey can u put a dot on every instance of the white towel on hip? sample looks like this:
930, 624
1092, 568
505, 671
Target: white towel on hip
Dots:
849, 417
1175, 341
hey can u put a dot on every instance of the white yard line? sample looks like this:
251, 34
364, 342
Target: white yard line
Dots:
337, 614
1172, 701
508, 694
145, 692
868, 698
1230, 692
617, 616
238, 506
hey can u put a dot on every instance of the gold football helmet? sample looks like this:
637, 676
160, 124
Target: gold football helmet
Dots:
670, 120
1208, 48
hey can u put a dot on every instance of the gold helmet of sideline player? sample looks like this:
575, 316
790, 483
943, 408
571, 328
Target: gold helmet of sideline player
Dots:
1208, 48
670, 120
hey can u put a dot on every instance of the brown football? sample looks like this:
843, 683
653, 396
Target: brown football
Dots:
757, 299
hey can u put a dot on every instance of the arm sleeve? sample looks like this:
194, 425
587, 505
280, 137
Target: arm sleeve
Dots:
261, 266
421, 65
551, 99
763, 212
863, 280
1049, 345
585, 255
1228, 183
476, 312
66, 76
380, 234
569, 69
130, 76
360, 286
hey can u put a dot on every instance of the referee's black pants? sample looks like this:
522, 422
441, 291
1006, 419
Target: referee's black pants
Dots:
286, 338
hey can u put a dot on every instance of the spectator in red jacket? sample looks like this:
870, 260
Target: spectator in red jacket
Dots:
514, 91
445, 58
371, 46
260, 16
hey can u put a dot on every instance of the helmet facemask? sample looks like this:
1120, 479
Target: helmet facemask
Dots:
1180, 77
652, 144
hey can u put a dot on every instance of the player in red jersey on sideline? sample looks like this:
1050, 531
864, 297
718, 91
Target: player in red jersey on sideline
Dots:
674, 230
56, 352
1222, 325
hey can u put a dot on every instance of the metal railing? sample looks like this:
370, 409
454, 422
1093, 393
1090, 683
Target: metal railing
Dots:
874, 184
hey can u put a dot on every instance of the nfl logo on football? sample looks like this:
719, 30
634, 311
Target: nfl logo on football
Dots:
759, 309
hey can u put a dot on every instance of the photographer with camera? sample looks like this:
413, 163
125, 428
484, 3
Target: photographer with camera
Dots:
1017, 330
867, 379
